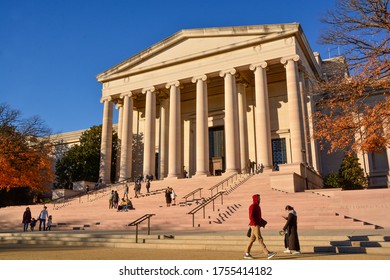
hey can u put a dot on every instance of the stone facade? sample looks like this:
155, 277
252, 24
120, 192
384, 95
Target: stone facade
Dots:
235, 93
213, 98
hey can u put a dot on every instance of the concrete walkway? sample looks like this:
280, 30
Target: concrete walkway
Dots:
12, 252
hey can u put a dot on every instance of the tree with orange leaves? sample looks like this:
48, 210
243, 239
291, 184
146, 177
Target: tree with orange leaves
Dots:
354, 100
25, 154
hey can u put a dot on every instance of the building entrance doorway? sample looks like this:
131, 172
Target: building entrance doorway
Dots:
217, 150
279, 154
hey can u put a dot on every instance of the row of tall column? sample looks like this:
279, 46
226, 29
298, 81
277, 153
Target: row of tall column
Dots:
236, 130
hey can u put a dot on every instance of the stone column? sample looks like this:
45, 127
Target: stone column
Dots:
262, 118
296, 128
303, 102
150, 131
313, 143
164, 126
126, 157
106, 142
202, 132
231, 121
119, 107
174, 158
243, 125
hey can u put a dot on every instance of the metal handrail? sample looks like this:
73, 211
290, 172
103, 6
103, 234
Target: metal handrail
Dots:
193, 194
216, 186
138, 221
204, 204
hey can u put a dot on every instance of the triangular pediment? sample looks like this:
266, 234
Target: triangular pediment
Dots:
195, 43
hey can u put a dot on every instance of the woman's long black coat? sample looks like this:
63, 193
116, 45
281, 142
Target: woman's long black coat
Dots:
291, 227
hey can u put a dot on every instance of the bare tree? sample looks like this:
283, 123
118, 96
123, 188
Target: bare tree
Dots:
355, 106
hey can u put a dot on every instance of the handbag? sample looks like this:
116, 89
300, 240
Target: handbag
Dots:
249, 233
263, 223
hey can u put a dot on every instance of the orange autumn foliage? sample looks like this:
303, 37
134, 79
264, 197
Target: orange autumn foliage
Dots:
24, 163
354, 109
354, 113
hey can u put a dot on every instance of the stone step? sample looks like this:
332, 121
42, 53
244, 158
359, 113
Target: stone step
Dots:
82, 213
310, 243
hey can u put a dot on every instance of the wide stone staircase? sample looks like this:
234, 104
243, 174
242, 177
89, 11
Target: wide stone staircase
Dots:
324, 217
207, 241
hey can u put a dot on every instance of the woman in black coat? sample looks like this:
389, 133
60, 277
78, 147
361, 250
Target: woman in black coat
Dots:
291, 230
26, 218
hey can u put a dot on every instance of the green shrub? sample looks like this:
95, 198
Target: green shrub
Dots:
332, 180
351, 174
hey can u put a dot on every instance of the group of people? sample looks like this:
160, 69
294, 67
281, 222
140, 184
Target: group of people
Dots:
290, 230
138, 184
113, 200
44, 216
254, 168
124, 205
170, 196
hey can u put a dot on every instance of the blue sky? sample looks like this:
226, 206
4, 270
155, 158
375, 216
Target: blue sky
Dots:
52, 50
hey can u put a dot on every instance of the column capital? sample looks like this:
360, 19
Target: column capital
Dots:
197, 78
151, 89
254, 66
128, 94
105, 98
174, 84
284, 60
231, 71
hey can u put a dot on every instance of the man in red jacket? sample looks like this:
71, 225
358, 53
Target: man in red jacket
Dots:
254, 222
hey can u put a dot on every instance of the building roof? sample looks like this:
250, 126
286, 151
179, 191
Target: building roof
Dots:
180, 48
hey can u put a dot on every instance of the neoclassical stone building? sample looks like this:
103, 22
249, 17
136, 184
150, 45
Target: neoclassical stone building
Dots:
212, 100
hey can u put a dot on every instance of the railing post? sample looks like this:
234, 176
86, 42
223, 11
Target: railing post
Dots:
136, 233
149, 225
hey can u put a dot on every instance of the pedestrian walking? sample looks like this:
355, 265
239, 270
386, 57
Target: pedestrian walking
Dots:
168, 197
173, 197
147, 185
115, 200
111, 199
26, 219
42, 218
49, 222
126, 193
255, 221
291, 232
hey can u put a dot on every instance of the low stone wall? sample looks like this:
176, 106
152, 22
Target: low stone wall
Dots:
63, 193
292, 178
82, 185
78, 187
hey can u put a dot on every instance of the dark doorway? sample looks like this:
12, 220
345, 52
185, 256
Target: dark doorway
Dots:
217, 149
279, 154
